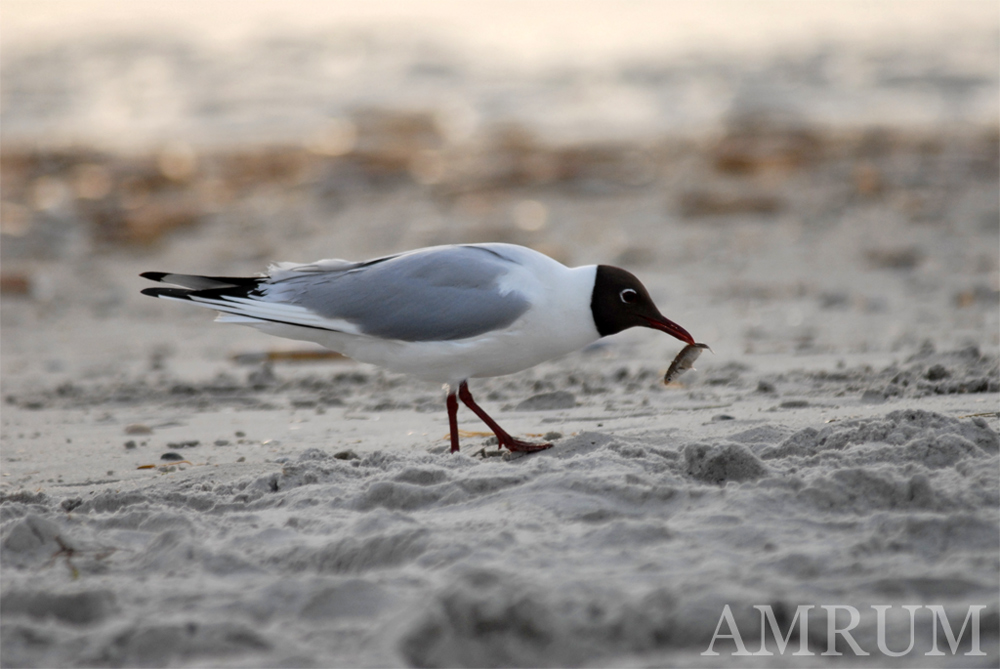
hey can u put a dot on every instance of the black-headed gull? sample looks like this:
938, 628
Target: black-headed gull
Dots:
444, 313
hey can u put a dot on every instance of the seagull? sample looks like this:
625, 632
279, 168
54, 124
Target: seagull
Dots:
444, 314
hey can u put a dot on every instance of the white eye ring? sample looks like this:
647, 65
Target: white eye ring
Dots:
628, 295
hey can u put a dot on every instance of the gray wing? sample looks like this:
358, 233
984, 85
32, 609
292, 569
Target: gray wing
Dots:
438, 294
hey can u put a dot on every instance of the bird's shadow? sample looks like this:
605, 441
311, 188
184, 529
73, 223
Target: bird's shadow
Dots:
581, 444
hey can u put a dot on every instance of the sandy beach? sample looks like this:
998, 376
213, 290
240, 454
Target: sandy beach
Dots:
175, 492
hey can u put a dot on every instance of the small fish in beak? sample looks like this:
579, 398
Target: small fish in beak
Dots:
684, 361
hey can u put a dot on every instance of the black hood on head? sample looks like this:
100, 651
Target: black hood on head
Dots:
620, 302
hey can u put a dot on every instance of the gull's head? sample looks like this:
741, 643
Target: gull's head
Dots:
620, 301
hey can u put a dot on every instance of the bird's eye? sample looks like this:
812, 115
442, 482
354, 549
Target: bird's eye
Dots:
628, 296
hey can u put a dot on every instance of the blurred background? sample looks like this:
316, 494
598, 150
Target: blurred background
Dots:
791, 176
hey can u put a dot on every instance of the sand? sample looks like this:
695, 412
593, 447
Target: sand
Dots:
321, 521
839, 447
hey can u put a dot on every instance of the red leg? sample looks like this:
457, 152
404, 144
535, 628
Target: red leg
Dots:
503, 438
452, 403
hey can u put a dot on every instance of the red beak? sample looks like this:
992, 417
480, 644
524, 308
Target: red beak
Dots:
671, 328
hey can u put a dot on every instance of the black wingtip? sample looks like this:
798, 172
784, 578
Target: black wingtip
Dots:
153, 276
179, 293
